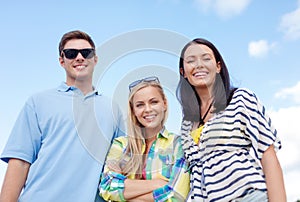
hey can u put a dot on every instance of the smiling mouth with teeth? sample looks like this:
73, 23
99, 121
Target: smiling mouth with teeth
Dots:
149, 117
80, 67
201, 74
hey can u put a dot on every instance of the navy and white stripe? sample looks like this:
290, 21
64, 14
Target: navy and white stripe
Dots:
225, 165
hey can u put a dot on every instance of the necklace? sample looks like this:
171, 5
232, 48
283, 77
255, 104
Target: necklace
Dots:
201, 122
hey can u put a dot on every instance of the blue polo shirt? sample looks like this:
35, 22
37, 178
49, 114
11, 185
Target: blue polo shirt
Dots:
65, 136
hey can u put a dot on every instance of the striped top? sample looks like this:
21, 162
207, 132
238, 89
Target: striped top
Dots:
226, 163
165, 160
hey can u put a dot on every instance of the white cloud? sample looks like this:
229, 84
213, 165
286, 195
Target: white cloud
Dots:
228, 8
223, 8
260, 48
290, 24
292, 93
286, 123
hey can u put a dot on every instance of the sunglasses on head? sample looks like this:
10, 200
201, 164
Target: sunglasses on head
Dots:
147, 79
87, 53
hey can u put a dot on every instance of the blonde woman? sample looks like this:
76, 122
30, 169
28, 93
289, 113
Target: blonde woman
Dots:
148, 164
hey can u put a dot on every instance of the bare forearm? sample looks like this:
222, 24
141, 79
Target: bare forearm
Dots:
143, 198
14, 180
137, 188
274, 176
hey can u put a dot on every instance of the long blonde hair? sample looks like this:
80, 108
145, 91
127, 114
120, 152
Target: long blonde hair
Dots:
132, 163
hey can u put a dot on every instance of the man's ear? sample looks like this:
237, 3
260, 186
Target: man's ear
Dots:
61, 61
96, 59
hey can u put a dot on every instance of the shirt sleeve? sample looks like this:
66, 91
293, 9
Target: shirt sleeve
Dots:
112, 183
25, 139
259, 127
178, 186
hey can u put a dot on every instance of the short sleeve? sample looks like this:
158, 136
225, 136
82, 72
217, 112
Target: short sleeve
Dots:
259, 127
25, 139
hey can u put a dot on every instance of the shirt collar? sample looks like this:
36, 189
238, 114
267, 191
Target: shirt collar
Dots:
164, 133
63, 87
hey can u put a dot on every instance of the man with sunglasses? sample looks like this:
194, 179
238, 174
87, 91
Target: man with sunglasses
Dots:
49, 150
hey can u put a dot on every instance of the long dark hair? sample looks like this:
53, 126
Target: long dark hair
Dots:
187, 95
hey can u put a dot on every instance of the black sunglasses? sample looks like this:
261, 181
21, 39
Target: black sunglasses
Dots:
147, 79
87, 53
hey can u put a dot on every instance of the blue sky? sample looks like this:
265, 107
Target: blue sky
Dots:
259, 41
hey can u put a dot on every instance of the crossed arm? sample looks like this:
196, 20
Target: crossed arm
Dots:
141, 190
117, 187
